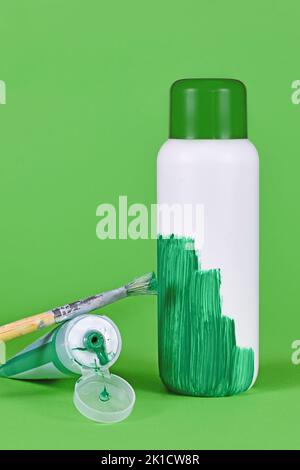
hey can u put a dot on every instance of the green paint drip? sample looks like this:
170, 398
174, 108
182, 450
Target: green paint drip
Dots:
198, 354
94, 341
104, 395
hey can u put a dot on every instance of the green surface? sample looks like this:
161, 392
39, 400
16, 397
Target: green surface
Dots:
212, 108
87, 109
198, 353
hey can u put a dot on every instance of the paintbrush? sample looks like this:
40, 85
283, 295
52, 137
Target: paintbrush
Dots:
140, 286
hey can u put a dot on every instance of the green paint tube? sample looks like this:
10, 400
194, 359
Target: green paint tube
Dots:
85, 347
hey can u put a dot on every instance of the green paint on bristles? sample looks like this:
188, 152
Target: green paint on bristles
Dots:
144, 285
198, 354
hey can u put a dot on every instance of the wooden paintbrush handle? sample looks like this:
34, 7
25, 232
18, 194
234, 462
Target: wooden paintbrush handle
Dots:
26, 325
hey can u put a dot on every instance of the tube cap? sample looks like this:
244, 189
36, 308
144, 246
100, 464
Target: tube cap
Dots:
208, 108
106, 399
93, 343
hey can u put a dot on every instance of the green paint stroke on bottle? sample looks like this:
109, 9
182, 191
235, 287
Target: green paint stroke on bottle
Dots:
198, 354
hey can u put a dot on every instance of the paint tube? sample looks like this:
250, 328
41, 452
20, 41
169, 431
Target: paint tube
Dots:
86, 346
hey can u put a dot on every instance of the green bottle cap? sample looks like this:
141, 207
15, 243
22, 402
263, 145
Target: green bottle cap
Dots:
208, 108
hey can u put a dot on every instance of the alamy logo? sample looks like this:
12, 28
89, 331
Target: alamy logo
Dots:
2, 92
137, 221
295, 357
295, 97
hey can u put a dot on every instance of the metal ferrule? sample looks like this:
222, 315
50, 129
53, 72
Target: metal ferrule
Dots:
88, 305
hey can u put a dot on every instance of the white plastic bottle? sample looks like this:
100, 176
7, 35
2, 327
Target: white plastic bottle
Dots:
208, 227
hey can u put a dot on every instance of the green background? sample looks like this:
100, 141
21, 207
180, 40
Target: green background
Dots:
87, 109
